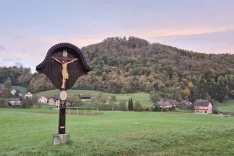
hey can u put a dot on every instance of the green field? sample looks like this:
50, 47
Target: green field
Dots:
24, 132
227, 106
23, 90
142, 97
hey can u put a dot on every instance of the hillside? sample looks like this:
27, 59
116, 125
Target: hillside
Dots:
143, 98
134, 65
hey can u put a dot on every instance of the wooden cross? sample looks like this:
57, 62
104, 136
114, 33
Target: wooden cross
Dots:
49, 67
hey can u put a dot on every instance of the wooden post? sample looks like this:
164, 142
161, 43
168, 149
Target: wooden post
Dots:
62, 117
92, 111
85, 111
77, 111
69, 111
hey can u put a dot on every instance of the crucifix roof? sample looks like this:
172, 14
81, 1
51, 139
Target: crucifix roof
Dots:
64, 45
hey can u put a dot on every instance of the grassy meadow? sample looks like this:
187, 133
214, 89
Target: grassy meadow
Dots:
227, 106
22, 90
27, 132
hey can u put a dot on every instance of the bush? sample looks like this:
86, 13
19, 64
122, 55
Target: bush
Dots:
155, 96
122, 105
156, 108
137, 106
104, 107
214, 109
28, 103
2, 103
74, 102
173, 108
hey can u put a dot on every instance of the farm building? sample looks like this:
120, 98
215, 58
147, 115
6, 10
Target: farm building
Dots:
42, 99
167, 104
203, 106
86, 98
15, 102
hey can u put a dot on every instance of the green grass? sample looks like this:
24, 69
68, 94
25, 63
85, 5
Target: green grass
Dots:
24, 132
23, 90
142, 97
227, 106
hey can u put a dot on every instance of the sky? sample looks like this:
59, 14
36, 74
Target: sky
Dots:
29, 28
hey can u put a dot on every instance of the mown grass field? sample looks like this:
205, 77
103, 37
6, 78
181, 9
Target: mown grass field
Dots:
24, 132
227, 106
143, 98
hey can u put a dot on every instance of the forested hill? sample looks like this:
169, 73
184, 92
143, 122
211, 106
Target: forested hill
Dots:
123, 65
126, 54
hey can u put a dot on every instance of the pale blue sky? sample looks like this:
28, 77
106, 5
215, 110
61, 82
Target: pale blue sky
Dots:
29, 28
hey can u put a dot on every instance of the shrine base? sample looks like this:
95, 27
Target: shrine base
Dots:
60, 139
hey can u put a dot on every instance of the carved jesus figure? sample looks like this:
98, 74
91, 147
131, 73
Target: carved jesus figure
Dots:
64, 70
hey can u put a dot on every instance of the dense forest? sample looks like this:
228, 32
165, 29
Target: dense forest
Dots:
121, 65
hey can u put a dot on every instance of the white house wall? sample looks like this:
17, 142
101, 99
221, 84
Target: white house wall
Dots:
209, 108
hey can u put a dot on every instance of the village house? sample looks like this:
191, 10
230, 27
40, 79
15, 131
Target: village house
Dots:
16, 93
42, 99
13, 92
185, 104
15, 102
28, 95
54, 100
203, 106
167, 104
85, 98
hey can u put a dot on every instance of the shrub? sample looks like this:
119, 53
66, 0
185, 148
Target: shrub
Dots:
2, 103
137, 106
122, 105
214, 109
156, 108
173, 108
155, 96
74, 101
28, 103
104, 107
130, 104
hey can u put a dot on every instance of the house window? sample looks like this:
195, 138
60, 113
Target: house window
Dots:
205, 111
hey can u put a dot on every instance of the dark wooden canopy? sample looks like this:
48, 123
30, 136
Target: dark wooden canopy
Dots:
53, 69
